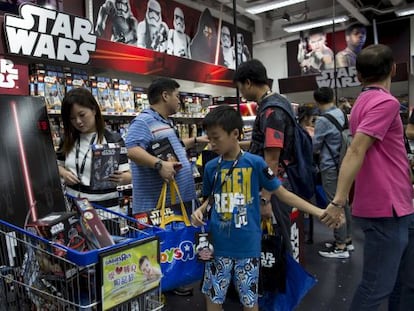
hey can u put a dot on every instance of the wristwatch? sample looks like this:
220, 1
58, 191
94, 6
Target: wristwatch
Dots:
158, 165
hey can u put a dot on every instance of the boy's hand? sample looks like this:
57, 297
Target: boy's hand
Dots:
197, 217
333, 216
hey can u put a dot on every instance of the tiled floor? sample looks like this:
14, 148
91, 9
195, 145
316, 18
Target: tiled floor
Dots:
337, 279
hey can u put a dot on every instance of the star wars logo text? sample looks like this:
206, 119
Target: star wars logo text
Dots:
45, 33
345, 77
8, 74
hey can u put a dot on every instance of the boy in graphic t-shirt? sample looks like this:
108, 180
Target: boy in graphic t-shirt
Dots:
233, 182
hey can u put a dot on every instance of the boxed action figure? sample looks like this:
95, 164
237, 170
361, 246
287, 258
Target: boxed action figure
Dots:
105, 161
96, 233
62, 228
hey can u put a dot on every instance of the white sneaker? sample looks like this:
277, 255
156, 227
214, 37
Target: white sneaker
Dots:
349, 246
335, 252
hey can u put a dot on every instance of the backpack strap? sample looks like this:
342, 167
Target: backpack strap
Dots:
340, 128
334, 121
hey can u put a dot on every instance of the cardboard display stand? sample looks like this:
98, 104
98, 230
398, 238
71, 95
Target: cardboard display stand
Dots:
29, 178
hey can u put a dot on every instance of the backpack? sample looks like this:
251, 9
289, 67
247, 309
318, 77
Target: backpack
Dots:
346, 138
301, 171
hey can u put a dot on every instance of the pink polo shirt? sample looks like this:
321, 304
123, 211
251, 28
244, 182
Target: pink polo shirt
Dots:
383, 182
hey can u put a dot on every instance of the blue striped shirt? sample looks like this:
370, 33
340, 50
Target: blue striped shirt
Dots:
147, 127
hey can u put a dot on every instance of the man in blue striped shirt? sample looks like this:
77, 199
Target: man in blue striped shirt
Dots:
151, 125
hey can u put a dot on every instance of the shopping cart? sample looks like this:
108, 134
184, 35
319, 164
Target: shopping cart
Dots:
33, 276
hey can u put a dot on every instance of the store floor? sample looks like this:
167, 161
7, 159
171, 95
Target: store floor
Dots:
337, 279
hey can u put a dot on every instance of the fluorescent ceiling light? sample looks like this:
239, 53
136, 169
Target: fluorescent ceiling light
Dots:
315, 23
405, 11
259, 8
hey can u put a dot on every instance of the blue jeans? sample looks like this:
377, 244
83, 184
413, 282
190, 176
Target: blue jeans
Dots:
386, 240
329, 181
402, 298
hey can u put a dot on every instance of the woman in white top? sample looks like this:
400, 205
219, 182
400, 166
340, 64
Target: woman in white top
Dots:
84, 126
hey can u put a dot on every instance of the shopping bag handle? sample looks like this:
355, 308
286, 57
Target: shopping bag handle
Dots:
267, 224
165, 220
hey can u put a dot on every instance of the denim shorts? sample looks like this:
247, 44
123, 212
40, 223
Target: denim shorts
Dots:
220, 271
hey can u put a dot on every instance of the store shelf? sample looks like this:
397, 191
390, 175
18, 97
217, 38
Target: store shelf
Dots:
188, 120
105, 114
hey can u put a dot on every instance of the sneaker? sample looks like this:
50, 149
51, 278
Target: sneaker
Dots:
334, 252
349, 246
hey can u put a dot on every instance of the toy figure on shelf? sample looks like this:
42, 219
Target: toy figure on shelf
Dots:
124, 24
152, 31
178, 40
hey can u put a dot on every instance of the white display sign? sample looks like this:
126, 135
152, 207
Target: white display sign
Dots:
44, 33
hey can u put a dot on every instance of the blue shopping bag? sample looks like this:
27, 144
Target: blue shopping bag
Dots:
179, 264
298, 283
178, 258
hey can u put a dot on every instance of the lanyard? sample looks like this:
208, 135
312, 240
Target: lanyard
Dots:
228, 174
368, 88
82, 168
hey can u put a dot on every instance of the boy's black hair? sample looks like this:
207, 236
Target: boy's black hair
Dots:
159, 86
374, 63
252, 70
225, 117
323, 95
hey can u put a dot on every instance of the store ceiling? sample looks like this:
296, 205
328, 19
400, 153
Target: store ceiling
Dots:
268, 25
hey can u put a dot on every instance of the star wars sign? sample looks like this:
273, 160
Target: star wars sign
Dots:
13, 78
44, 33
345, 77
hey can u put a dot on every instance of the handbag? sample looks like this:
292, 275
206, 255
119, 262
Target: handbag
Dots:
272, 272
179, 264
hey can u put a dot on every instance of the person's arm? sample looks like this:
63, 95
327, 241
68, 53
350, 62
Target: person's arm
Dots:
271, 157
293, 200
143, 158
351, 164
409, 131
68, 177
193, 141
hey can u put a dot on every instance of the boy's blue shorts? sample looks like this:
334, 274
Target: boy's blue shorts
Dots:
244, 273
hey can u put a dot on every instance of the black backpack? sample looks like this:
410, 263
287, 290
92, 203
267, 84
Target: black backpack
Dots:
301, 171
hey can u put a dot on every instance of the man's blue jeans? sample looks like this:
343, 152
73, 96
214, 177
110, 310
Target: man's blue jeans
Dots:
386, 240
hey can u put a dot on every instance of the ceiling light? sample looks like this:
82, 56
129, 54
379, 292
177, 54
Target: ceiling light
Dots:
259, 8
405, 11
315, 23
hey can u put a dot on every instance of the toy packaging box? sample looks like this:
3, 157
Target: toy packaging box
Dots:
62, 228
126, 96
105, 161
94, 229
104, 94
54, 90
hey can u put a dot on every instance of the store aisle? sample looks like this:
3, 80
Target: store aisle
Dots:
337, 279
